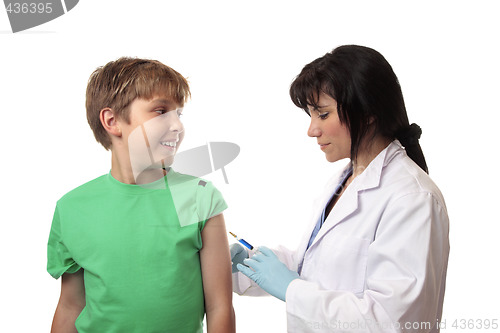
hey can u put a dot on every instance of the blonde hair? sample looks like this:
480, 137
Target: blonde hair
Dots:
120, 82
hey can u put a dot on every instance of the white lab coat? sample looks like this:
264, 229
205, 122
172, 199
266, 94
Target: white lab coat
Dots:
378, 263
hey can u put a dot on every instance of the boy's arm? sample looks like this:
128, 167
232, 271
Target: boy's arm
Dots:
71, 303
216, 271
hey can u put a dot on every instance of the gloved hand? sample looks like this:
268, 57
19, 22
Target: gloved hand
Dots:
265, 269
238, 254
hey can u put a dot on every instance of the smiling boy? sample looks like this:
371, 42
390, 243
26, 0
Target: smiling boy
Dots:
143, 248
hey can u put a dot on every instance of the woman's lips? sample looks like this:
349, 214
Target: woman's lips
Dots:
323, 145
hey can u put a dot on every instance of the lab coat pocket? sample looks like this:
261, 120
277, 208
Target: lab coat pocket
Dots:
341, 262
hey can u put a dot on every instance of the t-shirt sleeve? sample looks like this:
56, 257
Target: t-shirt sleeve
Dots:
209, 200
59, 259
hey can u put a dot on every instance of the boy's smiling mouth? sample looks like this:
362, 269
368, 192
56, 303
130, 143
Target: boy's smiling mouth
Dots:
169, 143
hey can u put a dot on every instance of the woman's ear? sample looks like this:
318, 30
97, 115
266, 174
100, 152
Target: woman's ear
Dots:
109, 122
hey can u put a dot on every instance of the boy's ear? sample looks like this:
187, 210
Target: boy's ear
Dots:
109, 122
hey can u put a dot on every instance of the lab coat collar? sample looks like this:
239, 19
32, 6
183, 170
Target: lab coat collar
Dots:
348, 202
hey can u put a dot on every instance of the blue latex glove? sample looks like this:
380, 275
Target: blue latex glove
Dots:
238, 254
265, 269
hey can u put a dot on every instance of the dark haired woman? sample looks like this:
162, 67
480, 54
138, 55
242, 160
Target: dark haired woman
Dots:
375, 256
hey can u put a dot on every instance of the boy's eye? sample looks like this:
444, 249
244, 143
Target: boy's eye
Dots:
161, 111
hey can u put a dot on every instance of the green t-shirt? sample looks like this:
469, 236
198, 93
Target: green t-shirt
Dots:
139, 249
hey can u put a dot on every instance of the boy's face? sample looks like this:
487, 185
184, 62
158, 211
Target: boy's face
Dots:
153, 133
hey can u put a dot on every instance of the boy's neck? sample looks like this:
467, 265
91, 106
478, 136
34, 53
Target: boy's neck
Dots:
121, 170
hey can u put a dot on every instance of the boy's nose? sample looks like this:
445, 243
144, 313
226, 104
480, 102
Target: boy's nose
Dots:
173, 122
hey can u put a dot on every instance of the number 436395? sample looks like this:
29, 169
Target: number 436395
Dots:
29, 8
476, 324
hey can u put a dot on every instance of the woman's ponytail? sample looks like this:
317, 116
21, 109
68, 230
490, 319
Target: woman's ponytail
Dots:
408, 137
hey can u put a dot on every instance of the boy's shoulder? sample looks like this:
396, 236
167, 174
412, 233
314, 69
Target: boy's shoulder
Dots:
191, 194
180, 179
89, 188
184, 185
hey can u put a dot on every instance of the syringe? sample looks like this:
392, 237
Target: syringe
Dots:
242, 241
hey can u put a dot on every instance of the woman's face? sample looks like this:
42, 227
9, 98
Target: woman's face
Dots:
333, 137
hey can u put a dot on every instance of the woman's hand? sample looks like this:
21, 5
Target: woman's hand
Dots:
238, 254
265, 269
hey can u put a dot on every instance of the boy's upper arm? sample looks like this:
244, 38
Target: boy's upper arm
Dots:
71, 302
216, 264
73, 290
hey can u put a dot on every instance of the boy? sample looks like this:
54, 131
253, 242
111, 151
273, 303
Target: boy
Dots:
143, 248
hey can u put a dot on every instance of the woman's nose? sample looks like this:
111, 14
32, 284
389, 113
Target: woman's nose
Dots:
313, 131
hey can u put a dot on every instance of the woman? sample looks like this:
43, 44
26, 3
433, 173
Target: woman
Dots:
375, 256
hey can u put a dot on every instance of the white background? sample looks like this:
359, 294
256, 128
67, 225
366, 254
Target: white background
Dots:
240, 58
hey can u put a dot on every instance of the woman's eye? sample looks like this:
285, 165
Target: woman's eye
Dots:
161, 111
323, 116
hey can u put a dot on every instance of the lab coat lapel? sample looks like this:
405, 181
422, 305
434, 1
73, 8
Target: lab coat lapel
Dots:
348, 203
318, 206
345, 206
